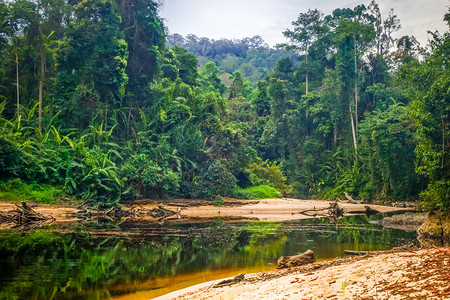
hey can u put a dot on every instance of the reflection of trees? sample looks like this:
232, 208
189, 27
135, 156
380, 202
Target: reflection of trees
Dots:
42, 264
64, 268
265, 244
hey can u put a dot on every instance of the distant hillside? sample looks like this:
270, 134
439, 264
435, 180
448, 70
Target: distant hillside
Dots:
252, 57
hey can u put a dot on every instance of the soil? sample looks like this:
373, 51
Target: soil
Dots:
411, 274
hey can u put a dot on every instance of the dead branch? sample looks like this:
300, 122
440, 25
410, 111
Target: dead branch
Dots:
333, 211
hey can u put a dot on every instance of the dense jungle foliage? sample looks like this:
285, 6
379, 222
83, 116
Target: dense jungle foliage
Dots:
97, 105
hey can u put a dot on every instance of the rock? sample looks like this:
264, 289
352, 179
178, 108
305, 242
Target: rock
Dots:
435, 231
408, 221
296, 260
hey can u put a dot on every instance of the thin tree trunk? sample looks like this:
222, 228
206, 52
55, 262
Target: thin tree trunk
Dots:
17, 85
443, 143
356, 90
306, 62
353, 127
41, 79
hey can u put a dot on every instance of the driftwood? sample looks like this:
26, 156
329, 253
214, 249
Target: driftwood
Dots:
115, 213
333, 211
160, 212
25, 214
24, 217
118, 212
349, 198
353, 252
370, 211
228, 282
6, 217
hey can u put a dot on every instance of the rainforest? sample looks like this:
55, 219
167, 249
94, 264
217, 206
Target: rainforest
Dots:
99, 104
135, 162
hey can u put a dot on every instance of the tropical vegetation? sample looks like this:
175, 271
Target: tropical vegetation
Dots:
99, 104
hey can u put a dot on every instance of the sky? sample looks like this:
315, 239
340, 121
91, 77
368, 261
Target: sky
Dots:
231, 19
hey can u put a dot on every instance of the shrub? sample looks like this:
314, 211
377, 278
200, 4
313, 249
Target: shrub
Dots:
94, 178
266, 173
147, 177
10, 160
16, 189
218, 200
255, 192
215, 180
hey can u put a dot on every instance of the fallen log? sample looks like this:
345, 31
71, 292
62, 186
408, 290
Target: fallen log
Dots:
25, 214
349, 198
160, 212
370, 211
6, 217
353, 252
333, 211
24, 217
228, 282
118, 212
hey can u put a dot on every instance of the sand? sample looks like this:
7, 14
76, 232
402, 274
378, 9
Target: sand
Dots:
412, 274
275, 210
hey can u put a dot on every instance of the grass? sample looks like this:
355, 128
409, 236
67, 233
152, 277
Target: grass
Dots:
17, 190
255, 192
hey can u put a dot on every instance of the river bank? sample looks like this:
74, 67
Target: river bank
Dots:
268, 210
411, 274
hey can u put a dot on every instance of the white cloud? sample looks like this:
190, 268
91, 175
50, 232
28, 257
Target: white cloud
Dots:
268, 18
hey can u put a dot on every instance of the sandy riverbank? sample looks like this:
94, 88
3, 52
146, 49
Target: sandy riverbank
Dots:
412, 274
276, 210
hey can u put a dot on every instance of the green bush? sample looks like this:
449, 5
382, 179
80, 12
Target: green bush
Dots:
218, 200
94, 178
16, 189
437, 196
10, 160
215, 180
255, 192
147, 177
266, 173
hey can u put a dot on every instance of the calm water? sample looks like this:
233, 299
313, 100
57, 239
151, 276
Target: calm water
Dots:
146, 260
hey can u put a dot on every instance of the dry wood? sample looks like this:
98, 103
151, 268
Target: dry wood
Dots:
333, 211
119, 212
25, 214
227, 282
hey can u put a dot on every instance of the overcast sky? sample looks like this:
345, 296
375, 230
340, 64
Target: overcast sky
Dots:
229, 19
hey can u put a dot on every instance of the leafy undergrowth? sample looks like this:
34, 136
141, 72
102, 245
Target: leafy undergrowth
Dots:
16, 189
255, 192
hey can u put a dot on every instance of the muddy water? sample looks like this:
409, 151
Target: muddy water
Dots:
145, 260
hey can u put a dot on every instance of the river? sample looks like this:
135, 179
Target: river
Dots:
142, 260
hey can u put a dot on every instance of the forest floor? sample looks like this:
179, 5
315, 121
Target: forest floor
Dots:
233, 209
411, 274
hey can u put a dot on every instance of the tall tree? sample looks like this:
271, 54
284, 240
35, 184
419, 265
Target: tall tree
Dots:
428, 84
91, 63
144, 33
347, 36
307, 28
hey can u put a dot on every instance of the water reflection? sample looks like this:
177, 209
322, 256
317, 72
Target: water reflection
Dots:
95, 261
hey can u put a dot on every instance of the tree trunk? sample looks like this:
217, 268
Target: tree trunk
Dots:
306, 62
443, 143
17, 85
353, 127
356, 91
41, 79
